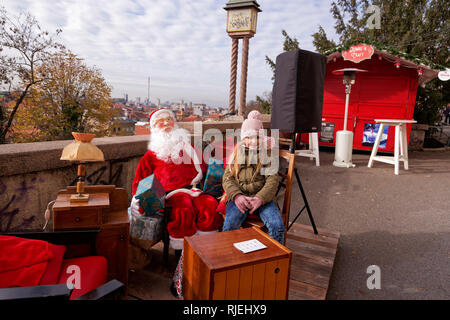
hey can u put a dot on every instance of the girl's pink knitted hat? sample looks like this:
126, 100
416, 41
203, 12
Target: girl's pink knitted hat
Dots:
251, 125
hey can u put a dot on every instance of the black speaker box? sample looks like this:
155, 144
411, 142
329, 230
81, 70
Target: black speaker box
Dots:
297, 95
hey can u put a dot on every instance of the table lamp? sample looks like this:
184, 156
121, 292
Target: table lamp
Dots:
344, 138
82, 150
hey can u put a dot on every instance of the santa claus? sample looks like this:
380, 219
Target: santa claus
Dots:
177, 166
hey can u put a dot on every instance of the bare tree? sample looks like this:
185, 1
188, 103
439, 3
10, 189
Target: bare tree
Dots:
24, 46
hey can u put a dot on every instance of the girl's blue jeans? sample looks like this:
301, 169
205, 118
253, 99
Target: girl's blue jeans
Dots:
268, 213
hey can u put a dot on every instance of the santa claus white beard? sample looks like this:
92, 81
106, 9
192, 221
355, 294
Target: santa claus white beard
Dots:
167, 145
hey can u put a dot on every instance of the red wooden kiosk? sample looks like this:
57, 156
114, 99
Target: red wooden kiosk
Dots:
387, 91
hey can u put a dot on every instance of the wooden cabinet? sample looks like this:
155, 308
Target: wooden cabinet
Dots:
213, 269
79, 215
112, 243
107, 211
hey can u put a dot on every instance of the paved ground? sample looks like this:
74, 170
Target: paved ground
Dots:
399, 223
153, 282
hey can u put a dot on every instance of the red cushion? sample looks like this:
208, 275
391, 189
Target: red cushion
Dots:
93, 273
22, 261
51, 274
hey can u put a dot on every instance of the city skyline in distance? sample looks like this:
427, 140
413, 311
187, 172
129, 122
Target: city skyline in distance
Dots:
138, 100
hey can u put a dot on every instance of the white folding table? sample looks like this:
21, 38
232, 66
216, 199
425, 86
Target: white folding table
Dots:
400, 144
313, 148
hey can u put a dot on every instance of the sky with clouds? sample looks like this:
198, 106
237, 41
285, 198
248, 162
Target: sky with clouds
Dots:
182, 45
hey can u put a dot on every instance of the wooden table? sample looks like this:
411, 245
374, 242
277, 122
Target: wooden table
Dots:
213, 269
399, 145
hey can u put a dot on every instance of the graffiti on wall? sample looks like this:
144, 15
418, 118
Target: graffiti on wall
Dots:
105, 175
9, 212
13, 200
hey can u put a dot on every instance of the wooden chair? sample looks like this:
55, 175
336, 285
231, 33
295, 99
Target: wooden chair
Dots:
286, 183
292, 150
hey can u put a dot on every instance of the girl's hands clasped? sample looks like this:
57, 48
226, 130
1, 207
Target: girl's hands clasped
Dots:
242, 202
256, 203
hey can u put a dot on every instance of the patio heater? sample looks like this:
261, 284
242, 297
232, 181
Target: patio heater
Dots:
344, 138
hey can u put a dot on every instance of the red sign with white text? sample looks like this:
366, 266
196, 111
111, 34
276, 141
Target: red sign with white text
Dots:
358, 53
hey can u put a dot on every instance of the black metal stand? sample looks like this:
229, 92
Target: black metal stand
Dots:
306, 206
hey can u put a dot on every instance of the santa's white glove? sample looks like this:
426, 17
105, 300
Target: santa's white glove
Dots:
197, 179
135, 207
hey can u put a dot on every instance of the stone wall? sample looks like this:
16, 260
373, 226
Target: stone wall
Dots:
31, 174
417, 136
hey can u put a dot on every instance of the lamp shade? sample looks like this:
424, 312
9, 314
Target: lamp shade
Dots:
82, 149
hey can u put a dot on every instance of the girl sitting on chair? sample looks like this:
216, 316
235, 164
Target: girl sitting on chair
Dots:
251, 181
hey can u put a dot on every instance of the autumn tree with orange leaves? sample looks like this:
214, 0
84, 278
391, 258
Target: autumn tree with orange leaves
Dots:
72, 98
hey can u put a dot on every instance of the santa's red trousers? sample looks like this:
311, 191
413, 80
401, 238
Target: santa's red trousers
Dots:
189, 214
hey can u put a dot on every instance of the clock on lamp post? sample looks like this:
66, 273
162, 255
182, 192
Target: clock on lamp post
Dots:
242, 17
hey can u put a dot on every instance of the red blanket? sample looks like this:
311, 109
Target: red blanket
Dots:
22, 261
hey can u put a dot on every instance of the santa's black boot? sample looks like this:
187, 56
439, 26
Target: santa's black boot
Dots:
173, 290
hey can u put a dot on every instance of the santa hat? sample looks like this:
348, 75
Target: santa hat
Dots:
157, 114
251, 125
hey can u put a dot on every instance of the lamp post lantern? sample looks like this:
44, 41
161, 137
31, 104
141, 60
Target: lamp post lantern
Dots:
242, 16
344, 138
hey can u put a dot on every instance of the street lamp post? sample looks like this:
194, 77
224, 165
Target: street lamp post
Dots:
344, 138
242, 18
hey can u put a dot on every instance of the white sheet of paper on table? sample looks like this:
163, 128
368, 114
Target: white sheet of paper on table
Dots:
249, 245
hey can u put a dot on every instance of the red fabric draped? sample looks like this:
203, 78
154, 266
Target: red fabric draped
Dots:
22, 261
207, 217
190, 214
182, 216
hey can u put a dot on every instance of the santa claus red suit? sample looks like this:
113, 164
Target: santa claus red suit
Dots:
175, 163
